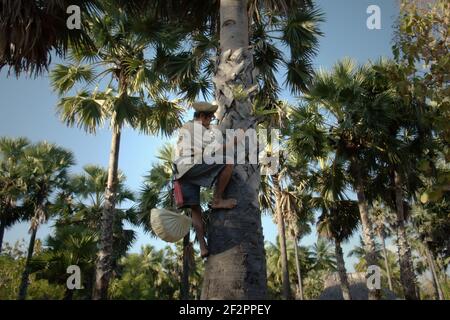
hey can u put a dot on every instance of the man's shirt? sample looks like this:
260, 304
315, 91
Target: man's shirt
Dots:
193, 138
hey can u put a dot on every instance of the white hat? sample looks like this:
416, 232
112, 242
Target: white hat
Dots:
204, 107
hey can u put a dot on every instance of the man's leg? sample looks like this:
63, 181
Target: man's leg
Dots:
198, 226
222, 182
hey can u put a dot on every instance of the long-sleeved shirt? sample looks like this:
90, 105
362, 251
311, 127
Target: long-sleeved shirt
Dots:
193, 139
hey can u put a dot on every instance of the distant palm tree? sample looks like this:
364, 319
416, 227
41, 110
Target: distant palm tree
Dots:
350, 97
391, 264
323, 255
340, 217
81, 203
381, 217
431, 225
274, 263
142, 275
297, 207
70, 245
118, 53
339, 223
12, 184
45, 169
359, 253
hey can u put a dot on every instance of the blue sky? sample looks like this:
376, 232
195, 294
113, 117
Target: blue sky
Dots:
27, 108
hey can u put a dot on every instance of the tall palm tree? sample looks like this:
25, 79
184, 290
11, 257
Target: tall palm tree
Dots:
118, 53
239, 251
12, 185
45, 168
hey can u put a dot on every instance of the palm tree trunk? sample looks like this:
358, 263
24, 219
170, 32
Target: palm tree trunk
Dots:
184, 289
68, 294
236, 268
345, 287
407, 276
26, 272
386, 262
299, 272
282, 239
2, 233
367, 233
437, 286
104, 259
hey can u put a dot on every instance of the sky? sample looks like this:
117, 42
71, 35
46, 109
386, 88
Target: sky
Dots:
27, 108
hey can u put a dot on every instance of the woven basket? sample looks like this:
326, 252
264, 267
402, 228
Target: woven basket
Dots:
168, 225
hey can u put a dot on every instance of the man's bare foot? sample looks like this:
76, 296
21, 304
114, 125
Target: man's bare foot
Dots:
224, 203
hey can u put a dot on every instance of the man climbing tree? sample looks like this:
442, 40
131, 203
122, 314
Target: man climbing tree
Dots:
193, 172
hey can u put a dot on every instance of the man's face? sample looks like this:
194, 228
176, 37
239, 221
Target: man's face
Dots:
206, 120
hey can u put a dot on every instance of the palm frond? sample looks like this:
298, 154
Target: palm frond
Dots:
82, 111
64, 77
163, 117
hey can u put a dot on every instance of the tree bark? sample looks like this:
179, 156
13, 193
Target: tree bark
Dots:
386, 262
299, 271
104, 258
236, 267
367, 232
439, 295
26, 272
68, 294
2, 233
282, 239
407, 276
184, 289
343, 279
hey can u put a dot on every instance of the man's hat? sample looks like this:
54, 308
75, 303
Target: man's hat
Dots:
204, 107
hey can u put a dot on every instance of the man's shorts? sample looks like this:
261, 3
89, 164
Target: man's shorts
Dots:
200, 175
